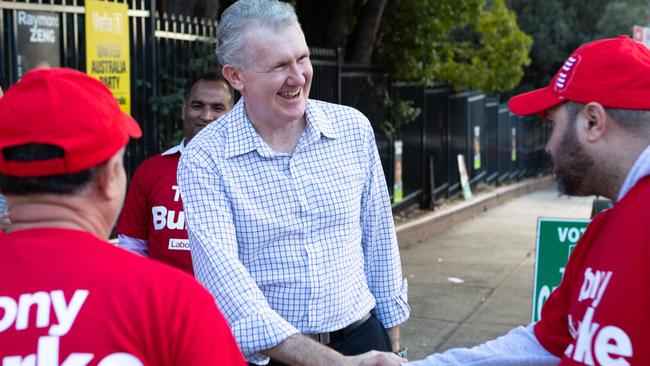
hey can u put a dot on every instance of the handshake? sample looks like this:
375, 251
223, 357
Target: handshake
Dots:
376, 358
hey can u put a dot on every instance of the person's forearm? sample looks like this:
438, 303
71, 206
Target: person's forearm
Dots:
517, 347
299, 350
135, 245
393, 334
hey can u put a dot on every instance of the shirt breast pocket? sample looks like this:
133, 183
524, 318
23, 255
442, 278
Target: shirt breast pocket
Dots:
337, 194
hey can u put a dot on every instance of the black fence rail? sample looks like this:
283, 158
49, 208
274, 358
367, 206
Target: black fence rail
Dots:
491, 140
498, 147
436, 144
365, 88
326, 83
168, 51
412, 136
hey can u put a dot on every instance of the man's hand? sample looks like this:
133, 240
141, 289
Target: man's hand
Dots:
375, 358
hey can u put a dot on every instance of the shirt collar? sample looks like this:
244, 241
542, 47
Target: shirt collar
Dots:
241, 137
176, 149
317, 119
640, 169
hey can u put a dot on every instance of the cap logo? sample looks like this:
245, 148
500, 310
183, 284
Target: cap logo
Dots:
566, 73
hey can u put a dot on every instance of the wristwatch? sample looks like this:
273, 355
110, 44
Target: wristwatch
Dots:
403, 352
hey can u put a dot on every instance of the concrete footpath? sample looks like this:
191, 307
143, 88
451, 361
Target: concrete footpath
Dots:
471, 279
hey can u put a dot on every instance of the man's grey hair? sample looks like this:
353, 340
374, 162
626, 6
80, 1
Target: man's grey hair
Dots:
235, 21
632, 120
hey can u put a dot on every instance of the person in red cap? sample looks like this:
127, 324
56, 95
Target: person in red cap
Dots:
599, 105
68, 297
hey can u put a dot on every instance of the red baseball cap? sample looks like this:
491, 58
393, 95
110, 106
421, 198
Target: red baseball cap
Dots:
614, 72
68, 109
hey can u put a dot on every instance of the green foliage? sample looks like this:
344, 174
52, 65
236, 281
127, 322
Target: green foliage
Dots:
619, 17
400, 113
560, 26
548, 22
494, 57
167, 104
415, 39
463, 42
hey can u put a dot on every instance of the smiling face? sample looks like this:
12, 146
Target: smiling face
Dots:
207, 101
276, 80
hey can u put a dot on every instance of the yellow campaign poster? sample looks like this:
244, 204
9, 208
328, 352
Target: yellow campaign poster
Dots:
107, 48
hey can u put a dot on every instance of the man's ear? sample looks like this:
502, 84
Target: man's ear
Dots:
595, 121
107, 179
183, 110
233, 76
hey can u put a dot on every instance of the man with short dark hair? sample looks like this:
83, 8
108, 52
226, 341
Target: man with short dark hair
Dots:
152, 222
600, 145
67, 296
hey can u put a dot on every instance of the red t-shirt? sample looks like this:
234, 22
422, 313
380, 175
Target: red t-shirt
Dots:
600, 313
153, 211
66, 295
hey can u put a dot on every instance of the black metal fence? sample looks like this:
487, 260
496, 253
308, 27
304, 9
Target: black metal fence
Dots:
168, 51
497, 146
326, 83
365, 89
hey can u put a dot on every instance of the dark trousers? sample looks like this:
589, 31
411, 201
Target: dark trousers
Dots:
369, 336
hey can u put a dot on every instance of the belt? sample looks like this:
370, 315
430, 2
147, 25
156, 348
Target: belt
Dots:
328, 337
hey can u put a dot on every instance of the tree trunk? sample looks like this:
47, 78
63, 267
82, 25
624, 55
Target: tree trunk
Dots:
363, 39
208, 9
338, 28
391, 8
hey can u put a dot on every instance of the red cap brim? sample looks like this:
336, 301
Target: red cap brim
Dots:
537, 101
132, 127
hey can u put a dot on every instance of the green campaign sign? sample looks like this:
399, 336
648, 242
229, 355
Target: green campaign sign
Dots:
556, 238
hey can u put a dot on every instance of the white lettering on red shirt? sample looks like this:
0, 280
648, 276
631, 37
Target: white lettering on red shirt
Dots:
607, 345
54, 312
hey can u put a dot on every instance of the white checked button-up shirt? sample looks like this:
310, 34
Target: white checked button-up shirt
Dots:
289, 243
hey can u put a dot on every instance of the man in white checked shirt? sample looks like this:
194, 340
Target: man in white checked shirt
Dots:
288, 214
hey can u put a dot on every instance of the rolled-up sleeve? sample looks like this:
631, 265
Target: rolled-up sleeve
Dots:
382, 260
